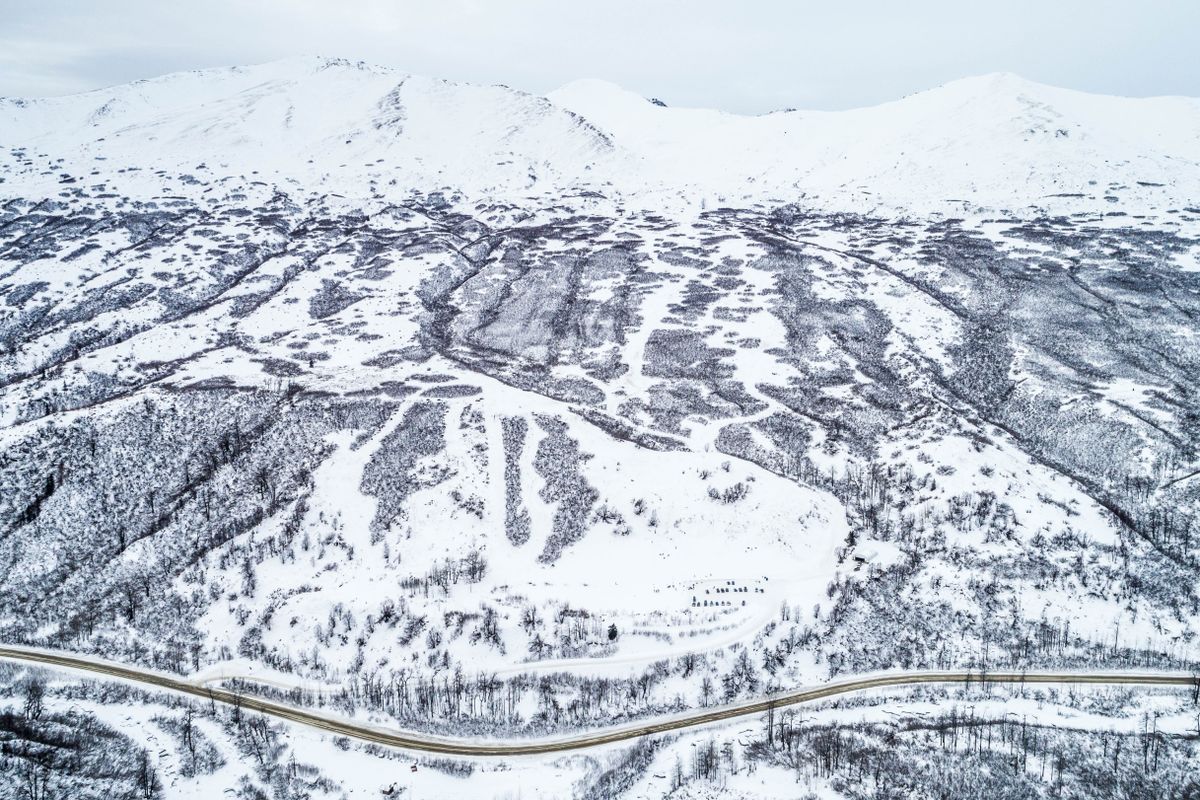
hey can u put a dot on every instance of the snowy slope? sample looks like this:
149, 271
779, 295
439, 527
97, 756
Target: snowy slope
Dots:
341, 378
307, 118
992, 141
995, 141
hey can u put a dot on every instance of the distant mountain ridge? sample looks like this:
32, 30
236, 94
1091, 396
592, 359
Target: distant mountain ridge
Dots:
995, 141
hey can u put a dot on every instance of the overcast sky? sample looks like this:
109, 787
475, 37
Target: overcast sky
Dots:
740, 55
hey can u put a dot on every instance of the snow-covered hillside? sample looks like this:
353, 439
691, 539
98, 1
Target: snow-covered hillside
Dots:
476, 411
995, 141
991, 142
320, 121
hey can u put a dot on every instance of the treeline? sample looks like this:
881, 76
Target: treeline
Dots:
959, 753
46, 755
50, 755
147, 494
893, 614
442, 697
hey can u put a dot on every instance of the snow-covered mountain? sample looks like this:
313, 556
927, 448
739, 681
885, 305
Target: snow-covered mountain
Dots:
995, 141
330, 376
316, 120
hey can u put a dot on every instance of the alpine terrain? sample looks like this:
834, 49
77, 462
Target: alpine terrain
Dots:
498, 420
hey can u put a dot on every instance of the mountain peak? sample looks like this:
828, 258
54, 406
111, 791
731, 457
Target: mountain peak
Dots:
593, 93
987, 85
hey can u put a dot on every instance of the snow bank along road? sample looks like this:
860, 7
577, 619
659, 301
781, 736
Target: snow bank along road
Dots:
342, 726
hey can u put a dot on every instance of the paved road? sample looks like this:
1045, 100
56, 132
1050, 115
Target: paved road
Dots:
418, 741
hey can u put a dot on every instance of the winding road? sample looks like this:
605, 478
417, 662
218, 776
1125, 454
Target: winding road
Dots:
342, 726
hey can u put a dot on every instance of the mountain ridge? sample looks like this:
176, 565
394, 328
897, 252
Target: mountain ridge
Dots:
995, 141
